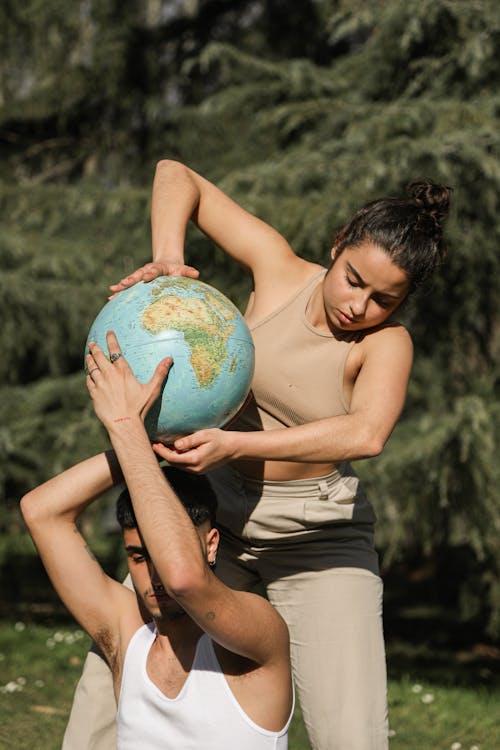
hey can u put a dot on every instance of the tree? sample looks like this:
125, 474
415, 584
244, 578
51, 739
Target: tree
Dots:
300, 130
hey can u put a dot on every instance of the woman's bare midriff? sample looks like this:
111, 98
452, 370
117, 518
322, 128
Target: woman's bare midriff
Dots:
282, 471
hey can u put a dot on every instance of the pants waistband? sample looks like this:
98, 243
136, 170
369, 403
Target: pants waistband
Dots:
321, 487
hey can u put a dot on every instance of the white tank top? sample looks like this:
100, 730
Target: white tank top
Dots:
205, 714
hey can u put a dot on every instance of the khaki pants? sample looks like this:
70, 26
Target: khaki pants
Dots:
334, 615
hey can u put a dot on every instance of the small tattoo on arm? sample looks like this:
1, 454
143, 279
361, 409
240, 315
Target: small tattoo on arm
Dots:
210, 615
122, 419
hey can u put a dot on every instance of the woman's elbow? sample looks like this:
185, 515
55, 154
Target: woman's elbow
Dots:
168, 165
375, 448
28, 508
373, 444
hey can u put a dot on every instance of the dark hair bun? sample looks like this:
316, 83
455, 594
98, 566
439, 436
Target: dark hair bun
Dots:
431, 197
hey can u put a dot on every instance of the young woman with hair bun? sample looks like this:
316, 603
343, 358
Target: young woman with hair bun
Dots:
332, 369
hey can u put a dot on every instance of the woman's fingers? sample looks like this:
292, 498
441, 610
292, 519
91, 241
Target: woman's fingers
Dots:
151, 271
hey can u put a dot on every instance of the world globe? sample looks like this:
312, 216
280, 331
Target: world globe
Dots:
204, 333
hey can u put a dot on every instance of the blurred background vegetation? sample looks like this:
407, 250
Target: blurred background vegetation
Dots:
301, 112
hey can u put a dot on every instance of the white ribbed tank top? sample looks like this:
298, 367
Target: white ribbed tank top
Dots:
205, 714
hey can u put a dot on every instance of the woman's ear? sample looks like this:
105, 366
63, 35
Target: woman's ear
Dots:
334, 252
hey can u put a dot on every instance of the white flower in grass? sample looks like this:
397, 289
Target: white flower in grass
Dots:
19, 627
69, 638
427, 698
21, 681
58, 637
416, 688
474, 747
456, 746
39, 683
391, 733
79, 634
12, 687
50, 643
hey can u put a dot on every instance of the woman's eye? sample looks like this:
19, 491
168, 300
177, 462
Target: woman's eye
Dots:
138, 558
351, 282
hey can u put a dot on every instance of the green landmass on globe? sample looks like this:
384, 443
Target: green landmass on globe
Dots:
204, 333
200, 323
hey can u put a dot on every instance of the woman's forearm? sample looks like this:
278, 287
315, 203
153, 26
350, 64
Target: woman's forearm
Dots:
175, 197
332, 440
343, 438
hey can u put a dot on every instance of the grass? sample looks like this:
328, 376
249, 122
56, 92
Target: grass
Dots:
39, 666
434, 717
436, 701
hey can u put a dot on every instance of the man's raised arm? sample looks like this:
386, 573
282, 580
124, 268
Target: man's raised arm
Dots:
243, 623
51, 512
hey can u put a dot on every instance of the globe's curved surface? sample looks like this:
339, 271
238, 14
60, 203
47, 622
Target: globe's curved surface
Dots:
204, 333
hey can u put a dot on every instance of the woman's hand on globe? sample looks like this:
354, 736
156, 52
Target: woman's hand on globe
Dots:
199, 452
150, 271
117, 395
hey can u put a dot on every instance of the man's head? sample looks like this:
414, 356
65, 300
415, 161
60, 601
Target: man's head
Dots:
199, 501
194, 491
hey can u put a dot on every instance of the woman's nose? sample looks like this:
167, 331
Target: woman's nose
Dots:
359, 303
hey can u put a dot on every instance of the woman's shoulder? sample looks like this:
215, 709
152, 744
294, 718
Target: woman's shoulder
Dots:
297, 271
275, 290
391, 335
383, 348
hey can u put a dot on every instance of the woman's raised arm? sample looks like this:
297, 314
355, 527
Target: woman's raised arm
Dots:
179, 195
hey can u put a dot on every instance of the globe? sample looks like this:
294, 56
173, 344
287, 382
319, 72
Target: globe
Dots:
204, 333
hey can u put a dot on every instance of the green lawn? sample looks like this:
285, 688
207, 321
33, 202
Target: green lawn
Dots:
432, 707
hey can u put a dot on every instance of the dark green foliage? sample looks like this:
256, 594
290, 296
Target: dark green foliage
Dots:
350, 101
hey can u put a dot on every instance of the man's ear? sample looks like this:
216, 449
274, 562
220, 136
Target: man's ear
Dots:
212, 545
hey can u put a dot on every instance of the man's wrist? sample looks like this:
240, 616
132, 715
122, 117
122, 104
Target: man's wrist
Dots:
124, 424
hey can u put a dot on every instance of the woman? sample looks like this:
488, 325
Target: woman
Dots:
332, 369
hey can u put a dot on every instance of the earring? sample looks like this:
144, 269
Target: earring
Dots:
213, 563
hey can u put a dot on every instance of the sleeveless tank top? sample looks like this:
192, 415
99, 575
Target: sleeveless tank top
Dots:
299, 378
205, 714
299, 371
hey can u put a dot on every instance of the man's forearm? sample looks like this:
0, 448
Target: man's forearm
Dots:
66, 495
168, 532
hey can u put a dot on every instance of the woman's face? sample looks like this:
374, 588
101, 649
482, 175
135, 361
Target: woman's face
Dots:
362, 288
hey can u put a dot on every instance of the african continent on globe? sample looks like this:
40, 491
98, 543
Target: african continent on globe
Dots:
204, 333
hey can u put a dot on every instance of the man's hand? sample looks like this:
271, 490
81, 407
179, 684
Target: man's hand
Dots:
151, 271
115, 391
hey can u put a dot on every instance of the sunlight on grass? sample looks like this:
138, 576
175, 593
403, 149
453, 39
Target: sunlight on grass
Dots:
428, 715
39, 667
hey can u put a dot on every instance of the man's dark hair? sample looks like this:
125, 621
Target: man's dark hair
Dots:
193, 490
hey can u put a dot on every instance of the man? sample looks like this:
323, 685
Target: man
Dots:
211, 666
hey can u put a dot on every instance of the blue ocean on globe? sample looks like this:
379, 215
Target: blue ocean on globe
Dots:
204, 333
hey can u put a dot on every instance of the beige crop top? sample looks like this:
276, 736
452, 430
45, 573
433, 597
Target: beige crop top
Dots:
299, 371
